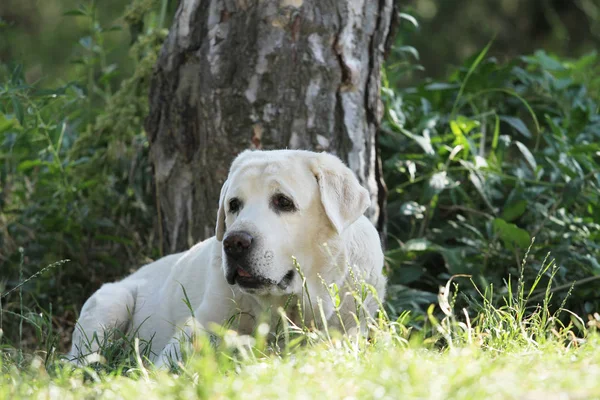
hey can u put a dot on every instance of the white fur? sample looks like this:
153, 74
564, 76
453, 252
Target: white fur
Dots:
330, 203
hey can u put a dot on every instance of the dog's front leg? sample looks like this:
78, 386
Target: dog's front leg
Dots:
180, 345
106, 313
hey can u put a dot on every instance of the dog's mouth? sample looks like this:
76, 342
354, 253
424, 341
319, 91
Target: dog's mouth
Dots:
247, 280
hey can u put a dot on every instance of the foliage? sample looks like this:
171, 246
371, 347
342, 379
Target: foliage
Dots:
38, 36
481, 164
450, 31
76, 183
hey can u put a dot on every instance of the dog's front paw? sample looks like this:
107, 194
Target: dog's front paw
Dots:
179, 347
171, 356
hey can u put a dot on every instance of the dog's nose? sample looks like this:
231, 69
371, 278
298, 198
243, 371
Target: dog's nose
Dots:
237, 244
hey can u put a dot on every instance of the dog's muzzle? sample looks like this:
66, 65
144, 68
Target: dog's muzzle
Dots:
238, 246
236, 274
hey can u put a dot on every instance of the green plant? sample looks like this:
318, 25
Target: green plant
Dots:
480, 164
75, 181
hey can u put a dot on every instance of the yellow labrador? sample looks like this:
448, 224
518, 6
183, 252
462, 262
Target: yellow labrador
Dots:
275, 206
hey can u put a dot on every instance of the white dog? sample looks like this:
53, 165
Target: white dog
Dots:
275, 206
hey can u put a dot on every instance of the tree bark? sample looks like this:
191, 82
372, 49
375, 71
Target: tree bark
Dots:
267, 74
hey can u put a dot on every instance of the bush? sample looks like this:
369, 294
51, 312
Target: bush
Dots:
76, 182
481, 164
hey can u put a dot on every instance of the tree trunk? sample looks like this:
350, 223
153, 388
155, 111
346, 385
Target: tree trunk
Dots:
267, 74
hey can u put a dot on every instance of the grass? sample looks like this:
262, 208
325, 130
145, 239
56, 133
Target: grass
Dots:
334, 371
520, 349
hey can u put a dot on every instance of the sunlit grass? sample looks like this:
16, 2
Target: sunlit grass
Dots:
518, 350
337, 371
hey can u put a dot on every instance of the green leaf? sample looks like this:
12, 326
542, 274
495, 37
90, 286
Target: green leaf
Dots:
18, 108
439, 86
7, 123
17, 75
547, 62
419, 244
511, 234
455, 260
572, 191
409, 18
517, 124
469, 73
459, 138
513, 93
423, 141
408, 49
528, 156
477, 181
585, 148
409, 274
29, 164
496, 133
464, 124
514, 211
586, 61
455, 128
334, 290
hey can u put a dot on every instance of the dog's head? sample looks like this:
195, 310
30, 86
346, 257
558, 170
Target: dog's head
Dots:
280, 204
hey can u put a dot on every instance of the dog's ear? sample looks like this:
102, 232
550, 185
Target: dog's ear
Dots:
220, 228
342, 196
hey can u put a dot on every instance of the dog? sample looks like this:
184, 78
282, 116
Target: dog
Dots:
289, 223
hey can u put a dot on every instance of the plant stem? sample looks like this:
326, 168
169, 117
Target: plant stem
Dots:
163, 14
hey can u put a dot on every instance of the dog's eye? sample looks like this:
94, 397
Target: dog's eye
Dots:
283, 203
234, 205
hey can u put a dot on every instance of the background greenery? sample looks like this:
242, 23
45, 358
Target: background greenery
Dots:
483, 150
453, 30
